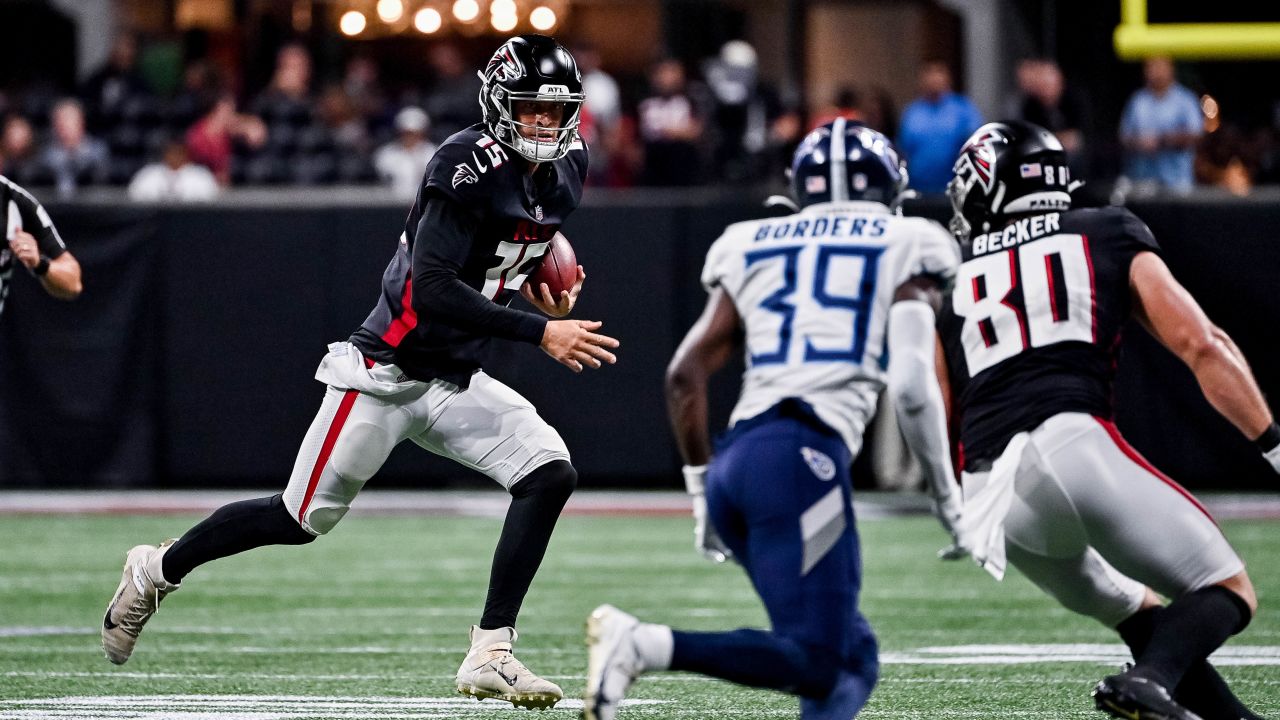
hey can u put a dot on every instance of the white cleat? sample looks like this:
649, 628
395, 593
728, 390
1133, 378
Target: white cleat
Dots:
492, 671
135, 601
613, 661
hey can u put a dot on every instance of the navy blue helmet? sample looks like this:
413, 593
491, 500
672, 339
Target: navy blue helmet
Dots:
846, 160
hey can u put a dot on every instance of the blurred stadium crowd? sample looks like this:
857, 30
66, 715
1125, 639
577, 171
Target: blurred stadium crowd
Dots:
684, 124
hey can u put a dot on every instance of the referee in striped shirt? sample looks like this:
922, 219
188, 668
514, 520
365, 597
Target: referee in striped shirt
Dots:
32, 241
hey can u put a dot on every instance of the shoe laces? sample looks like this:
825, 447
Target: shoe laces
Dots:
141, 609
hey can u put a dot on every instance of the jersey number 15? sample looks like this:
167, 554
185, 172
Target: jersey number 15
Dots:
1057, 305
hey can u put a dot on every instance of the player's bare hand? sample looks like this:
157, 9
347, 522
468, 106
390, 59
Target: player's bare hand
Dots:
24, 248
575, 344
550, 305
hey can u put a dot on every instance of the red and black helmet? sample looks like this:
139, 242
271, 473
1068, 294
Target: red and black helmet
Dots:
1006, 169
532, 68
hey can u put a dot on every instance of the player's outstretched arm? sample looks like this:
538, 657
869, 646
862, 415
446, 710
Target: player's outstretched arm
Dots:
705, 349
916, 381
575, 344
1174, 318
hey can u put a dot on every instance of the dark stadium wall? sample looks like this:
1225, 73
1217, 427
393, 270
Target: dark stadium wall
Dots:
188, 362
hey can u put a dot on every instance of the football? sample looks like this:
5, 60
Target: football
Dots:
559, 268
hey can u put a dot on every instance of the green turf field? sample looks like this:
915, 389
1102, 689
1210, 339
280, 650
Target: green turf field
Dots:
371, 622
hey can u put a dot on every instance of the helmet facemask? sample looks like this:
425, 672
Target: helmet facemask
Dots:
957, 191
538, 143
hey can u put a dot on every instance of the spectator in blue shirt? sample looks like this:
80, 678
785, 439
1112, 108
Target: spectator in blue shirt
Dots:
934, 127
1159, 129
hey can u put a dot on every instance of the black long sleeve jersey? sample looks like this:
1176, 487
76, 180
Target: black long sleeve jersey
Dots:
1032, 325
21, 211
479, 226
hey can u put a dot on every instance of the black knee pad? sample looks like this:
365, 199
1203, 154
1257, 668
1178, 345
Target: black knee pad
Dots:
556, 478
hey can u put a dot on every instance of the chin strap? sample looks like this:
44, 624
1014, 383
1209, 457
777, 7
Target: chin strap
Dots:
895, 207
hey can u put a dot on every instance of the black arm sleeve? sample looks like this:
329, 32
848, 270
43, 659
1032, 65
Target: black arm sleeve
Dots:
37, 222
440, 248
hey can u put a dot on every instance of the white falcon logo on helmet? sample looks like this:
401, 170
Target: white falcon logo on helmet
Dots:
980, 156
504, 66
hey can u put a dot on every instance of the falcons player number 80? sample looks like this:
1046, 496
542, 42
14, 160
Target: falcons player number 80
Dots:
1056, 304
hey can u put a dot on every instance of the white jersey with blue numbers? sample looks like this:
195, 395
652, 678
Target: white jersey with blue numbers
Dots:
813, 290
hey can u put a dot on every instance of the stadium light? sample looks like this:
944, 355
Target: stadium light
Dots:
428, 20
502, 7
390, 10
352, 23
466, 10
503, 23
542, 18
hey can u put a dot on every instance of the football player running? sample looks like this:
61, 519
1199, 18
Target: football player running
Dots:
1026, 354
808, 295
492, 197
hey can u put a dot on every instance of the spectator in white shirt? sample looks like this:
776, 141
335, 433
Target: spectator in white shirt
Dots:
174, 178
400, 163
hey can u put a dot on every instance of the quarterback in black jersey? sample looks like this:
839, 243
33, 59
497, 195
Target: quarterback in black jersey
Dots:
1027, 338
491, 199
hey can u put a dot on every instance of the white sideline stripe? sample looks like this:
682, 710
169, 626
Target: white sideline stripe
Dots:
256, 707
335, 677
43, 631
170, 648
1236, 655
931, 655
659, 678
449, 503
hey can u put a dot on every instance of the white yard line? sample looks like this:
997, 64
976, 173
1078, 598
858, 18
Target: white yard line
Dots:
258, 707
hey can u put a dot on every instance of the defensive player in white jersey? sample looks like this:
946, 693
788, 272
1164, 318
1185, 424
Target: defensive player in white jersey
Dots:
808, 295
1026, 354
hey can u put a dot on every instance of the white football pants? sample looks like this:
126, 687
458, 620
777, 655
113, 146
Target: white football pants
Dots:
1091, 522
367, 411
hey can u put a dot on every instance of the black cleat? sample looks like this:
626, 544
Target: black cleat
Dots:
1137, 698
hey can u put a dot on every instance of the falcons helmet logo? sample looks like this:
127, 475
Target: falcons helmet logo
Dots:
979, 157
504, 66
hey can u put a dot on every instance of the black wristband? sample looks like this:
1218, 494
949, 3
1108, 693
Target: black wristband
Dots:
1269, 439
42, 268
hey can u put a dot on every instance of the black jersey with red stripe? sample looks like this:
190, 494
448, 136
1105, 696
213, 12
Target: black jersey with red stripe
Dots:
1032, 325
479, 225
